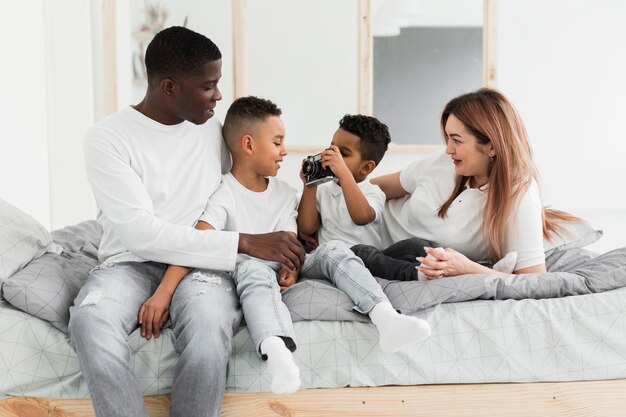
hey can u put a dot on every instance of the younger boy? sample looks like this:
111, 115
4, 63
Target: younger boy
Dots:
348, 209
251, 200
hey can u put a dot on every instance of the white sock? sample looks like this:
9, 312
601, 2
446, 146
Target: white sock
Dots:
283, 370
506, 264
397, 330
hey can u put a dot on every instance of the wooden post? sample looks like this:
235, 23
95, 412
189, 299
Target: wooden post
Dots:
109, 40
365, 70
490, 21
240, 15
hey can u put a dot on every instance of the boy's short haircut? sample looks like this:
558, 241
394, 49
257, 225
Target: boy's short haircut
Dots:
178, 50
243, 112
373, 133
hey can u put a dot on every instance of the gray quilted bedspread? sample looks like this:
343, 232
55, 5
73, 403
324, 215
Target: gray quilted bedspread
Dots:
47, 286
570, 272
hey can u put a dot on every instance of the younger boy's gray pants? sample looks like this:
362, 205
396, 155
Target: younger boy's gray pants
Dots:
265, 313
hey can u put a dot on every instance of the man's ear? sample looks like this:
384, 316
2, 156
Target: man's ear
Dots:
367, 167
168, 87
247, 144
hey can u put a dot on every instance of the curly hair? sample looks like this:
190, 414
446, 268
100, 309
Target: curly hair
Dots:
178, 50
243, 112
373, 133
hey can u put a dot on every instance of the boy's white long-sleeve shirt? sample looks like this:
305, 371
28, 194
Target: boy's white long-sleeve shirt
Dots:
151, 183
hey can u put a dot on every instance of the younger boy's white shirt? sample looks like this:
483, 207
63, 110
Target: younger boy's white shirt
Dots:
233, 207
151, 183
336, 223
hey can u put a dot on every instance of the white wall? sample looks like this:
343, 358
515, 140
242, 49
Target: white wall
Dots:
448, 13
46, 108
304, 58
69, 96
563, 64
23, 109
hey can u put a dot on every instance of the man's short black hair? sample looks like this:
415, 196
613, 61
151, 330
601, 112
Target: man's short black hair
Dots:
178, 50
243, 112
373, 133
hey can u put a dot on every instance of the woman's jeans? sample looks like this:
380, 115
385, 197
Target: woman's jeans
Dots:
204, 313
397, 262
265, 313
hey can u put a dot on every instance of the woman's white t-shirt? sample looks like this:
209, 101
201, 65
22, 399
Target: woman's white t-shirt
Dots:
429, 182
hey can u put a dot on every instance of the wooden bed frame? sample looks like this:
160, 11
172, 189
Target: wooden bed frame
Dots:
566, 399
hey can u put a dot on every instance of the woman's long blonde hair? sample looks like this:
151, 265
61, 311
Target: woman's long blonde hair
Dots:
489, 116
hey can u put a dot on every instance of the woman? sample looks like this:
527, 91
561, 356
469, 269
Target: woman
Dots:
479, 199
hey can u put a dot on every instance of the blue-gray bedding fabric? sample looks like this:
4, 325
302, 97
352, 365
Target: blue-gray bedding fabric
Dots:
579, 272
554, 326
48, 285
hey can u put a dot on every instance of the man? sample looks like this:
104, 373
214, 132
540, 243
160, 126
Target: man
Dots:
152, 168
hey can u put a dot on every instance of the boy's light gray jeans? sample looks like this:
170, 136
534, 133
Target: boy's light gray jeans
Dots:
204, 313
259, 293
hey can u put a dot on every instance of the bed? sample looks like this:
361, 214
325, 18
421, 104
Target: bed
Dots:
552, 343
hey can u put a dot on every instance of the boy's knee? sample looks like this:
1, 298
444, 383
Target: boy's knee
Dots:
334, 249
247, 265
252, 268
334, 245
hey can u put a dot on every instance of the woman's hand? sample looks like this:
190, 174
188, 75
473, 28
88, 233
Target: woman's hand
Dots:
447, 263
154, 313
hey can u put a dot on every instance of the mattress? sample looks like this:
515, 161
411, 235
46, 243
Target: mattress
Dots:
572, 338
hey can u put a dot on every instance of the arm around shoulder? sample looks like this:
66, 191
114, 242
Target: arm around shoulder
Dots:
128, 209
390, 184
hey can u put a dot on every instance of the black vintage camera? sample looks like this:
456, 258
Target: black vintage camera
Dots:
314, 172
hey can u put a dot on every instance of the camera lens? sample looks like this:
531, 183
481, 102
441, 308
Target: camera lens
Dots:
308, 167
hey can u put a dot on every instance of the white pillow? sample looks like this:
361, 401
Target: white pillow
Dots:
22, 239
575, 235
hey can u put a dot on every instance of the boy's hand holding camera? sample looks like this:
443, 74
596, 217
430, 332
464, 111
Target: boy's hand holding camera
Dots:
331, 158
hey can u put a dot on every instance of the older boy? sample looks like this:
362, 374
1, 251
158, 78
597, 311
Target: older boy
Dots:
350, 208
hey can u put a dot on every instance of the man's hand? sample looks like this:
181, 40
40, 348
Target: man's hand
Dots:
154, 312
332, 158
286, 278
281, 247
